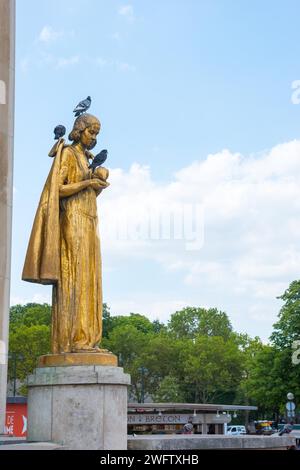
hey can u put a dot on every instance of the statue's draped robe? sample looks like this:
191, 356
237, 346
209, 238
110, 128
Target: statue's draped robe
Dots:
64, 250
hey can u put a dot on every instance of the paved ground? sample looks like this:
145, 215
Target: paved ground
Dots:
20, 443
8, 439
30, 446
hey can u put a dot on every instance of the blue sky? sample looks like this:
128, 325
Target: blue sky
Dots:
195, 103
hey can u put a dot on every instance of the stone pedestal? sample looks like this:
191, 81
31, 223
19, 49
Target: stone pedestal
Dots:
79, 407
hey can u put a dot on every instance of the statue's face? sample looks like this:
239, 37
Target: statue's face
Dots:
89, 136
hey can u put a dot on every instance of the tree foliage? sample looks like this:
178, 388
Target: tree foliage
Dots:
287, 329
29, 338
192, 321
195, 357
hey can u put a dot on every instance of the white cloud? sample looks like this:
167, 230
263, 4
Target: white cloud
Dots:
50, 60
127, 12
62, 62
102, 62
24, 64
48, 35
125, 67
38, 298
116, 36
251, 249
154, 310
46, 59
121, 66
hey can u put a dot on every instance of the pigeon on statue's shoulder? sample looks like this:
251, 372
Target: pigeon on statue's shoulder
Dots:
59, 131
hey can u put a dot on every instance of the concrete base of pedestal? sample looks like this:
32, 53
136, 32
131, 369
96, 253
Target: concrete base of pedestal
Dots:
79, 407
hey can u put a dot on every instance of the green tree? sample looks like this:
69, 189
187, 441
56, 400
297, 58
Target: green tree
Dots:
191, 321
107, 321
29, 338
169, 390
140, 322
28, 315
269, 373
287, 329
138, 342
212, 367
265, 385
27, 343
160, 357
128, 343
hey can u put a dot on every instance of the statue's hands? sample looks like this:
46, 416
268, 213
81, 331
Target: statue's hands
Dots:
98, 184
101, 173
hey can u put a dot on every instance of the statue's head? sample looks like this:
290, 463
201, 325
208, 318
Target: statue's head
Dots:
85, 130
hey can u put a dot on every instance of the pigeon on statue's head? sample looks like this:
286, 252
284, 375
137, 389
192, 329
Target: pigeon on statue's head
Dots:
83, 106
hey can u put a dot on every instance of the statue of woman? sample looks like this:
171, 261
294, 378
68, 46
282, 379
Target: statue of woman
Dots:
64, 247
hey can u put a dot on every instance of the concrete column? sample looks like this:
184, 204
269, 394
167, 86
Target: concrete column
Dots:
7, 63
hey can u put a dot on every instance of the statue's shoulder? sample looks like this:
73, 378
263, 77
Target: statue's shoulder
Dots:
56, 146
65, 148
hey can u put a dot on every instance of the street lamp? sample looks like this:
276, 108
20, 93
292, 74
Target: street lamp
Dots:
290, 407
143, 370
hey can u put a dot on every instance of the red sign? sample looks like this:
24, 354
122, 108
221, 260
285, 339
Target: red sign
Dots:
16, 419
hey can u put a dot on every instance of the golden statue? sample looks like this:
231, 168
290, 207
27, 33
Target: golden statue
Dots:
64, 246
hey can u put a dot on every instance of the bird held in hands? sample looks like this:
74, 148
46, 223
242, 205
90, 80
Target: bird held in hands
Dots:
59, 131
83, 106
98, 160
